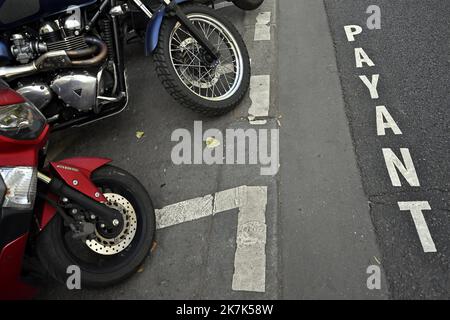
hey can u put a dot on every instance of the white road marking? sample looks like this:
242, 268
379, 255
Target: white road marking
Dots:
384, 121
351, 31
408, 171
382, 115
223, 5
262, 27
371, 85
184, 211
362, 57
260, 96
416, 208
250, 256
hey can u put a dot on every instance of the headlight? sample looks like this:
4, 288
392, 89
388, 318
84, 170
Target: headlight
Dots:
22, 121
21, 184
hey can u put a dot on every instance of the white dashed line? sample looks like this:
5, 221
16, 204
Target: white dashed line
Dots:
223, 5
262, 27
250, 256
260, 96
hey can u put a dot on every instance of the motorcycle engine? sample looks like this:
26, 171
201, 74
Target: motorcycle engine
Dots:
60, 34
78, 88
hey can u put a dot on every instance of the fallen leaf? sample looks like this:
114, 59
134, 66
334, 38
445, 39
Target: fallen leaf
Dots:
140, 134
212, 142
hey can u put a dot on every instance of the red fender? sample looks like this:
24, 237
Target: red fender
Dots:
76, 172
11, 287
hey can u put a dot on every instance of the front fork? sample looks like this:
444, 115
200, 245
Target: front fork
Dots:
174, 9
110, 217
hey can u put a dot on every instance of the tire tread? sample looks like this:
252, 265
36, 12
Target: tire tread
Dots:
176, 89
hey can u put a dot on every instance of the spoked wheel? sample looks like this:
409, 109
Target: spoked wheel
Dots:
110, 255
190, 75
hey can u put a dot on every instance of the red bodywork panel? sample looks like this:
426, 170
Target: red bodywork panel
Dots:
48, 212
10, 267
16, 153
8, 96
79, 169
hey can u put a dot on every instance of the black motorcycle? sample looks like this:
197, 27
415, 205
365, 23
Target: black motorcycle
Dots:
67, 57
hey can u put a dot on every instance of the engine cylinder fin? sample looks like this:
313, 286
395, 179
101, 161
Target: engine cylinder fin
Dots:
69, 43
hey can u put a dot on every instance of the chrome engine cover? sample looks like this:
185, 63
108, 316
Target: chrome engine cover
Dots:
78, 91
39, 94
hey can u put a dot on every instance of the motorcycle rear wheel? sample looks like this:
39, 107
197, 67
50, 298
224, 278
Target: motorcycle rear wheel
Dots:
181, 65
57, 250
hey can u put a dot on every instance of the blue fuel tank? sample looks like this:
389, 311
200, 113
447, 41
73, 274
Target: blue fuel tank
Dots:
14, 13
5, 53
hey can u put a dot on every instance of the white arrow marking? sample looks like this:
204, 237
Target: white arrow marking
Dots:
250, 256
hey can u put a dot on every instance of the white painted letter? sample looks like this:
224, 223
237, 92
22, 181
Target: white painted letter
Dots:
371, 85
382, 125
361, 56
416, 208
351, 31
408, 171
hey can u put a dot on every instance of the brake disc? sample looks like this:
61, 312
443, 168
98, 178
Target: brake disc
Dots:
205, 81
107, 247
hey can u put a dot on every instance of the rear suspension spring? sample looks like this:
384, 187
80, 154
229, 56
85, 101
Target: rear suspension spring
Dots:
106, 28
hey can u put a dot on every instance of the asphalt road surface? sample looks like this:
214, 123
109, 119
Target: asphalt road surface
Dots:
411, 56
193, 260
332, 210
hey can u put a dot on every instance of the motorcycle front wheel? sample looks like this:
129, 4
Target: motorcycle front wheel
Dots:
103, 260
182, 64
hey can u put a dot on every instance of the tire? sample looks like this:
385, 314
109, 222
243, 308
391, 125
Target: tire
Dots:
248, 4
56, 255
191, 94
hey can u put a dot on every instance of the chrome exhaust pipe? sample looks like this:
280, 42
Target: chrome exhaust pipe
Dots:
97, 45
10, 73
58, 60
48, 61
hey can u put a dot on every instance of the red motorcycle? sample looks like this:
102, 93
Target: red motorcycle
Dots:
78, 212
